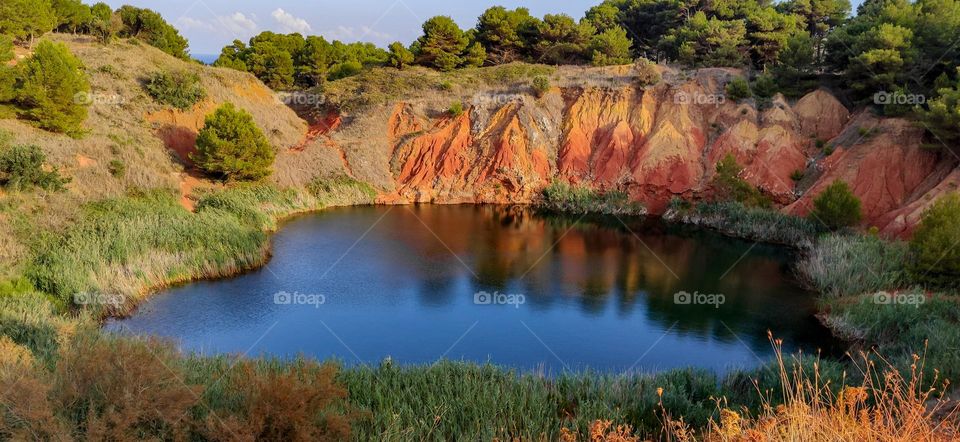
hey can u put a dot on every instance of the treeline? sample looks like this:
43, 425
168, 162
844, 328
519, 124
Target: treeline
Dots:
25, 20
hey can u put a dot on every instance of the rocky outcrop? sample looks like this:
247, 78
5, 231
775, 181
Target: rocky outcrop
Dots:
657, 144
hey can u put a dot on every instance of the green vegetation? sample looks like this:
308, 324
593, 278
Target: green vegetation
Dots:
755, 223
728, 185
22, 168
647, 73
178, 89
935, 259
456, 109
445, 47
150, 27
341, 190
231, 146
24, 20
578, 199
541, 85
836, 207
849, 264
400, 56
738, 89
49, 89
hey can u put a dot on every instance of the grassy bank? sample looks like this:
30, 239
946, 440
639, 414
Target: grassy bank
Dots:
753, 223
562, 197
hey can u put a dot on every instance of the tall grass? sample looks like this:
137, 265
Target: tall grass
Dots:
887, 405
850, 264
579, 199
753, 223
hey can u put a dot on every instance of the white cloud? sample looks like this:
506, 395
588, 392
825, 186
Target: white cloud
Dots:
238, 23
189, 23
291, 23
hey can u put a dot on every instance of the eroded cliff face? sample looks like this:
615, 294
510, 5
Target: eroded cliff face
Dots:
657, 144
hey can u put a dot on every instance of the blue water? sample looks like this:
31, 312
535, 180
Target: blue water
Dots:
363, 284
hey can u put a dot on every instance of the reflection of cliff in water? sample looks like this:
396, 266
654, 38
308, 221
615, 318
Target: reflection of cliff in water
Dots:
637, 263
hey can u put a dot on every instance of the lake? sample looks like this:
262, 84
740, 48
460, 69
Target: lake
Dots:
499, 284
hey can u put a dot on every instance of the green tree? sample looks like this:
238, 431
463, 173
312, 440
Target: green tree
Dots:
836, 207
442, 44
935, 255
729, 186
709, 41
504, 33
819, 17
794, 70
72, 15
603, 16
313, 62
611, 47
26, 19
104, 24
150, 27
647, 72
561, 40
400, 56
942, 117
475, 55
272, 65
51, 83
179, 89
231, 146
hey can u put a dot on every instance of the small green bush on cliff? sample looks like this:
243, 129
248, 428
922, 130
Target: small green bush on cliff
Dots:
837, 207
729, 186
738, 89
178, 89
934, 247
22, 168
541, 85
231, 146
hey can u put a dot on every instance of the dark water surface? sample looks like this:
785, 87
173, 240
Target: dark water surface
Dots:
421, 283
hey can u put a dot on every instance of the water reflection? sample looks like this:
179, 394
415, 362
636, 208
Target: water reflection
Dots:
400, 281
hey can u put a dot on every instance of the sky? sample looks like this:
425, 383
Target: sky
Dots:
211, 24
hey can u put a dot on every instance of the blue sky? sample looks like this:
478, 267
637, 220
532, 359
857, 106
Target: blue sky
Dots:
211, 24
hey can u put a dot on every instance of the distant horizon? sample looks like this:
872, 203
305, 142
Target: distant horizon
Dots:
209, 25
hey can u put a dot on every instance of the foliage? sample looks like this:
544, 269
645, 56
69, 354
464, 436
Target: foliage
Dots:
754, 223
764, 87
610, 47
738, 89
72, 15
647, 73
26, 19
117, 168
729, 186
844, 265
563, 197
400, 56
541, 85
341, 190
49, 85
150, 27
935, 258
561, 40
505, 33
22, 168
443, 45
942, 118
179, 89
232, 147
836, 207
456, 109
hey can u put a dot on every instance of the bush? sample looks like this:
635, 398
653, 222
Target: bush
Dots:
563, 197
837, 207
842, 265
456, 109
764, 86
647, 72
52, 82
117, 168
341, 190
178, 89
232, 147
541, 85
797, 175
150, 27
738, 89
935, 257
21, 168
729, 186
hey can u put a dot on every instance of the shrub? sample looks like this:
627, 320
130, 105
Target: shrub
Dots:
21, 168
563, 197
232, 147
837, 207
341, 190
178, 89
842, 265
764, 86
456, 109
541, 85
51, 82
738, 89
150, 27
647, 73
117, 168
759, 224
729, 186
797, 175
935, 257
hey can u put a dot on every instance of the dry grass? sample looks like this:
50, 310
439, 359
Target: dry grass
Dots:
886, 406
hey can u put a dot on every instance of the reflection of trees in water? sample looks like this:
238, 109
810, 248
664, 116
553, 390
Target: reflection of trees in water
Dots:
639, 263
